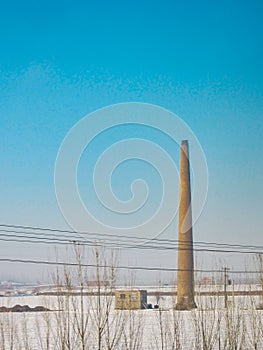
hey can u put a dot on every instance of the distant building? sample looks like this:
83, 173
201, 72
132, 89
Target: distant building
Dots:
95, 283
130, 299
207, 280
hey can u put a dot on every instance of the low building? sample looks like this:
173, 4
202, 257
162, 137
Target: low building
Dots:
130, 299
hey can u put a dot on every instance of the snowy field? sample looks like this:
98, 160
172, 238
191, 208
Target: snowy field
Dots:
92, 323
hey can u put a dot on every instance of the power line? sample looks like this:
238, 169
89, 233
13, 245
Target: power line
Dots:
58, 237
52, 241
65, 241
37, 234
171, 241
144, 268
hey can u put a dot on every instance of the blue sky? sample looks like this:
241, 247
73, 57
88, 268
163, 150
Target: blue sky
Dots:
201, 60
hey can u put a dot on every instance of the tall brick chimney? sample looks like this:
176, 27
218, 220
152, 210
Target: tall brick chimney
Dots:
185, 276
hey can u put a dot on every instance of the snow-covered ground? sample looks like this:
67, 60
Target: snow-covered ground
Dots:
93, 323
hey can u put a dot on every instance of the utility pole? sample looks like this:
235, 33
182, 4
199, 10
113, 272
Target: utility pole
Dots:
260, 258
225, 269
